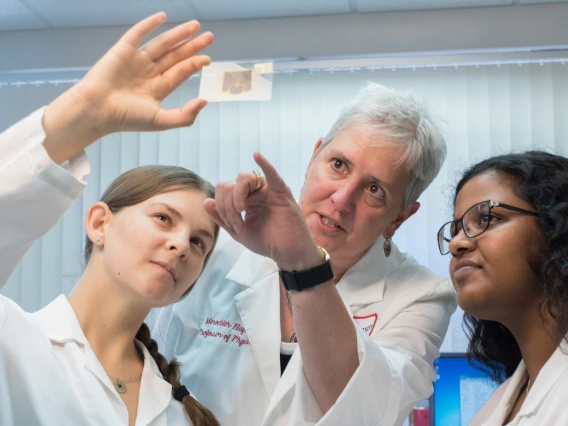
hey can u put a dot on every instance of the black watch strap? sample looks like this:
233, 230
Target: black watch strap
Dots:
301, 280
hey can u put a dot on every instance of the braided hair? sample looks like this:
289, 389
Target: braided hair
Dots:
198, 413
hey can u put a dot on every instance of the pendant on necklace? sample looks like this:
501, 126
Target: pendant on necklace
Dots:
120, 386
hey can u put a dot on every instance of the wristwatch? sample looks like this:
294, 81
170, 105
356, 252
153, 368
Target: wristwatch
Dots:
301, 280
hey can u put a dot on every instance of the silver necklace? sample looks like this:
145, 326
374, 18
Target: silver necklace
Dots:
120, 385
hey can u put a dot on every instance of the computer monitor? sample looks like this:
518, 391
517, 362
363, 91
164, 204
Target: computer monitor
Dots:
459, 391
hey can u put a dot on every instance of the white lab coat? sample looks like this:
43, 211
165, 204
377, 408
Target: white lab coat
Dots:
49, 375
545, 404
226, 335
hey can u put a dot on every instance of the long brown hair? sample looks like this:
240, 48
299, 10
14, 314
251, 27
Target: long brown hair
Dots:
131, 188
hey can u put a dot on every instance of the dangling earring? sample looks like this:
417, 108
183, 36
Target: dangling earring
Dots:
387, 246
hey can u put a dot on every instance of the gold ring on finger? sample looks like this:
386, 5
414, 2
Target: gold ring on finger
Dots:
259, 179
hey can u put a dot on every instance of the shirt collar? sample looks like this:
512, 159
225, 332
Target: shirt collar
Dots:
364, 282
61, 323
155, 392
149, 359
551, 372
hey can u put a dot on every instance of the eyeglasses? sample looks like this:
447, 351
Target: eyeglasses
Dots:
474, 222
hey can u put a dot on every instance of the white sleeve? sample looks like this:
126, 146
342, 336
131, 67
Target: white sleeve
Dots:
34, 191
395, 370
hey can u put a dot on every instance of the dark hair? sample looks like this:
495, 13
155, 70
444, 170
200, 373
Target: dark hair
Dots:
134, 187
540, 179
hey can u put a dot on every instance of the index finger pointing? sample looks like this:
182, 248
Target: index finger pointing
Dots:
273, 179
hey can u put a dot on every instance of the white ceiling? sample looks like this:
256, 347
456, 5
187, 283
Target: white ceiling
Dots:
44, 14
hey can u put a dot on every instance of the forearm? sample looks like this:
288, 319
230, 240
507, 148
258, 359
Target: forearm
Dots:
328, 341
70, 126
34, 194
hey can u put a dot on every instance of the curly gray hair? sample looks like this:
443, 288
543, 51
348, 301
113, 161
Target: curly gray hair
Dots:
401, 116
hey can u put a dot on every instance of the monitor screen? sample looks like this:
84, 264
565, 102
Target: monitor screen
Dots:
459, 391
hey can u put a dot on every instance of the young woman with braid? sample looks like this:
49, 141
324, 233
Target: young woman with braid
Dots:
149, 231
89, 359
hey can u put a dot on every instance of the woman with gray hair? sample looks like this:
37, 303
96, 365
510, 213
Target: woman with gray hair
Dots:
310, 314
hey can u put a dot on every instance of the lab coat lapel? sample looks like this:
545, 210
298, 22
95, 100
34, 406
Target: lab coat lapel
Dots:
94, 366
259, 308
62, 325
364, 283
550, 373
155, 392
285, 385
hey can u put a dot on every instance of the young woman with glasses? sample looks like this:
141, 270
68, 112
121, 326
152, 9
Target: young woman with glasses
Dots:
509, 266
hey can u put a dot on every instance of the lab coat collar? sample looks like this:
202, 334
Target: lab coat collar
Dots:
61, 323
363, 284
546, 379
61, 326
251, 268
155, 392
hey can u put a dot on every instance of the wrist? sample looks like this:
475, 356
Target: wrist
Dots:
309, 276
69, 128
309, 259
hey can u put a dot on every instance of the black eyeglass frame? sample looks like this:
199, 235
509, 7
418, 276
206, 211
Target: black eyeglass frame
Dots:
459, 221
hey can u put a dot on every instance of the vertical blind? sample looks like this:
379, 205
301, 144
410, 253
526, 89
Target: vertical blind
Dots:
489, 110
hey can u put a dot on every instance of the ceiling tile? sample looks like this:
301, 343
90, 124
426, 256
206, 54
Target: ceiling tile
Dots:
15, 16
541, 1
81, 13
250, 9
397, 5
